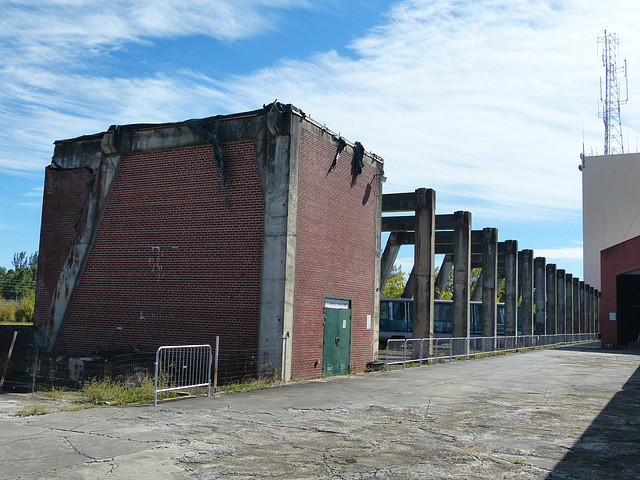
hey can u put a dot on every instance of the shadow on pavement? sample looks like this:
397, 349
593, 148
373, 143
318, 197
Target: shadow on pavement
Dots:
610, 447
632, 349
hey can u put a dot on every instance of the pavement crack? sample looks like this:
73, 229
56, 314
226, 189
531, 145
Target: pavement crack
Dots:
78, 451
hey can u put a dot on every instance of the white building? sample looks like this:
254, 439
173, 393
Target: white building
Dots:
610, 207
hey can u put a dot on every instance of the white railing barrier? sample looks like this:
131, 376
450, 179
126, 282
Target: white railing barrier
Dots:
182, 367
424, 350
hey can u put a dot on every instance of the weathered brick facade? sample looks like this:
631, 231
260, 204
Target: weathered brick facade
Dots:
142, 247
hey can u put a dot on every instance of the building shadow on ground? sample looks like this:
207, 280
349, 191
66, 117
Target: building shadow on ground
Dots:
610, 447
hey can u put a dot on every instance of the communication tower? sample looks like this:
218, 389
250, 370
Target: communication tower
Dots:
610, 98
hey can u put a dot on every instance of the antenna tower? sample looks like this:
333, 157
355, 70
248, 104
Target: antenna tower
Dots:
610, 100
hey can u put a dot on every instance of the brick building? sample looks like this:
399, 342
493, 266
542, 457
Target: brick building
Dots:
253, 226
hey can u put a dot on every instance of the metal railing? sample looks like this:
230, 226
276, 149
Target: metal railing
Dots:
434, 350
182, 367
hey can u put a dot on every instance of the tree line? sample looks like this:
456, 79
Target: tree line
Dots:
18, 288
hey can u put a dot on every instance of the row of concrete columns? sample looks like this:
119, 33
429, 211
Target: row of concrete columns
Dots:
551, 301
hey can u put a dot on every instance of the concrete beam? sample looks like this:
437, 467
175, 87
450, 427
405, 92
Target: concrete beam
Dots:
539, 284
476, 293
388, 259
410, 286
443, 275
527, 292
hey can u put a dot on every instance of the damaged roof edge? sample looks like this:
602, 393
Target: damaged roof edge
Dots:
64, 148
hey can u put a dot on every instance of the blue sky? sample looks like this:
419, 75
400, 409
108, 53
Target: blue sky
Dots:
485, 101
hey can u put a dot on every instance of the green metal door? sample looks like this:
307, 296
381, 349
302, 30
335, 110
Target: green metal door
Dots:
336, 350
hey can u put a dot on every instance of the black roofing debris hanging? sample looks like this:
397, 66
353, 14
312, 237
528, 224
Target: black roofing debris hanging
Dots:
341, 145
358, 160
197, 125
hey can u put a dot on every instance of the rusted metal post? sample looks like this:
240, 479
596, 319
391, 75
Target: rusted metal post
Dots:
6, 365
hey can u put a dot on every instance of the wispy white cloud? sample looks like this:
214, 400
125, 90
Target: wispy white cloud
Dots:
559, 254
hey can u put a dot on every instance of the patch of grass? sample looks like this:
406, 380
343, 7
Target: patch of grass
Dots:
111, 392
517, 462
36, 409
250, 384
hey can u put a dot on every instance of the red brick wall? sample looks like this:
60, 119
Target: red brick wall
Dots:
65, 196
335, 253
617, 260
170, 265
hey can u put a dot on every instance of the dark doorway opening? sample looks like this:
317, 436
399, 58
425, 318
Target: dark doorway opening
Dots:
628, 308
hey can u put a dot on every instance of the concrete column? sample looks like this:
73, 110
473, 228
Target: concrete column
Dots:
489, 281
561, 311
592, 310
510, 287
443, 275
424, 262
576, 305
581, 325
527, 292
539, 280
569, 304
587, 308
599, 313
552, 300
461, 273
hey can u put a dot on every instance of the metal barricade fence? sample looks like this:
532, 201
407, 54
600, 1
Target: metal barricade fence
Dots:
434, 350
182, 367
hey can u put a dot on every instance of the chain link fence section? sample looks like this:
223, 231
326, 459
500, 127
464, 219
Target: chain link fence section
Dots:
419, 351
182, 367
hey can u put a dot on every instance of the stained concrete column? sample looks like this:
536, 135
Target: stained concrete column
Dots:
576, 305
443, 275
539, 280
592, 303
489, 281
527, 291
561, 311
424, 262
599, 313
569, 304
510, 287
552, 300
587, 308
581, 326
461, 272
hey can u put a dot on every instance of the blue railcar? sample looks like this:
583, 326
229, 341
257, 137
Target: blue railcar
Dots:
396, 319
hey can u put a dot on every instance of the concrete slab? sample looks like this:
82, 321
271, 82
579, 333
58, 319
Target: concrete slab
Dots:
554, 414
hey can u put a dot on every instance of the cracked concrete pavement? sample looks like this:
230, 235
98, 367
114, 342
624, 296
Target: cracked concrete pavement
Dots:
568, 413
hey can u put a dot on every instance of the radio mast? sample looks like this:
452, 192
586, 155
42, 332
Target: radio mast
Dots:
610, 100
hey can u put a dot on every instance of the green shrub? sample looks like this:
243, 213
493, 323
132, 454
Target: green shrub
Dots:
7, 310
25, 309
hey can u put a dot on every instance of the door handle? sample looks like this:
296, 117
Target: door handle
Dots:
337, 340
